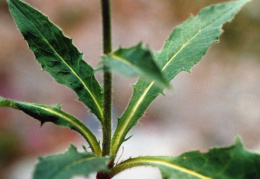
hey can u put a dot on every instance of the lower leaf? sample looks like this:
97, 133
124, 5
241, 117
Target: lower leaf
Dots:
69, 164
54, 114
232, 162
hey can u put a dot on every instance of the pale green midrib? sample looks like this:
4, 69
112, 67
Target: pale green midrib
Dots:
89, 137
132, 112
184, 45
125, 124
123, 60
85, 86
56, 175
143, 161
177, 53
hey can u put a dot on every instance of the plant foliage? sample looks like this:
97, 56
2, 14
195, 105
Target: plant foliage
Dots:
185, 47
219, 163
57, 55
135, 61
54, 114
65, 166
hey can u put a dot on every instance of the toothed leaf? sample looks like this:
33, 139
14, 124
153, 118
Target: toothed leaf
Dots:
54, 114
135, 61
185, 47
57, 55
232, 162
69, 164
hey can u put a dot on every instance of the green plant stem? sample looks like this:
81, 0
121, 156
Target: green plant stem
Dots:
107, 48
130, 163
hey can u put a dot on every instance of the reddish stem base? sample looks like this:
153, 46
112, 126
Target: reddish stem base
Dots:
101, 175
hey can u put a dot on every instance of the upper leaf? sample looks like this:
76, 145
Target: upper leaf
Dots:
69, 164
184, 48
135, 61
233, 162
54, 114
58, 55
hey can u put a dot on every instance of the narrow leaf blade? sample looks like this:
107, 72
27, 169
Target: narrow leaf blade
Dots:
185, 47
69, 164
54, 114
232, 162
135, 61
57, 55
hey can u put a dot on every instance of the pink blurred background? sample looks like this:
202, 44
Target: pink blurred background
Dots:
219, 100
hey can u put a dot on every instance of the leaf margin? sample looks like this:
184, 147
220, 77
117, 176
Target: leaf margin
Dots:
40, 168
132, 60
234, 152
98, 100
55, 111
125, 123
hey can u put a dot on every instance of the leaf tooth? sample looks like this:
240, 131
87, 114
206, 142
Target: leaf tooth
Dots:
84, 147
162, 93
187, 70
81, 54
57, 106
132, 85
72, 147
238, 142
42, 123
127, 138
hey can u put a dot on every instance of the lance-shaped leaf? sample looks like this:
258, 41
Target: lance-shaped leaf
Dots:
54, 114
135, 61
57, 55
184, 48
233, 162
69, 164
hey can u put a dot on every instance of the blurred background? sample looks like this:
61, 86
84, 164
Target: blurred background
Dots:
217, 101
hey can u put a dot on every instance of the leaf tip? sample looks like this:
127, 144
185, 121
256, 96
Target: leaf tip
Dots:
238, 142
1, 99
72, 147
57, 106
84, 147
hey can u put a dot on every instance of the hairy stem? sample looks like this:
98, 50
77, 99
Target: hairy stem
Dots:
107, 123
107, 47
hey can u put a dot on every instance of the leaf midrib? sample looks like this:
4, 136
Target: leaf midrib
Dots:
139, 102
143, 161
124, 60
76, 125
56, 174
83, 83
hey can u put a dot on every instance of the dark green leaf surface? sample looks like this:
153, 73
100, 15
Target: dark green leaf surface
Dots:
58, 55
135, 61
233, 162
54, 114
184, 48
69, 164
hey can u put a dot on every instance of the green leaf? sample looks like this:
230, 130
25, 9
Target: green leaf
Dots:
54, 114
233, 162
57, 55
69, 164
184, 48
135, 61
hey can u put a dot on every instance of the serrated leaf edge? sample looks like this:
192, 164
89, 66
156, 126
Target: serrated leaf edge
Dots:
122, 132
84, 131
77, 124
83, 83
148, 161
